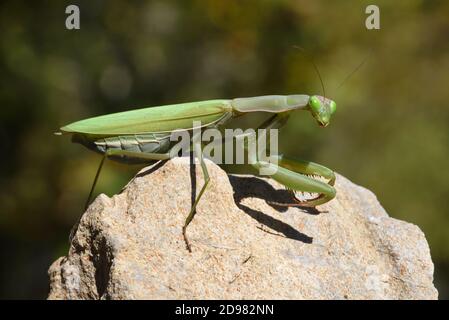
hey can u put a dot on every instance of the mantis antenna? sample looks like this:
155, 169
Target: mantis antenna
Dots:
355, 69
303, 51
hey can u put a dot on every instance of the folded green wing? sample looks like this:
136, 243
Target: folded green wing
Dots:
154, 119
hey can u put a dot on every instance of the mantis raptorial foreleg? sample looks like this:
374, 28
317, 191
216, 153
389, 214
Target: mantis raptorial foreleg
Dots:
307, 167
292, 173
299, 181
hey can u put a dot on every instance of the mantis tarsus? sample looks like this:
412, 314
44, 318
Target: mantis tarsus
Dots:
143, 136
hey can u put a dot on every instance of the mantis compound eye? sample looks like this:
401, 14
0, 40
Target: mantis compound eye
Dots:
333, 107
315, 103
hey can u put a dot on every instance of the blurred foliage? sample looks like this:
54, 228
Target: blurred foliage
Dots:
390, 133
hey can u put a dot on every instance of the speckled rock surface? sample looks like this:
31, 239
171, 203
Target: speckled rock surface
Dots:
130, 246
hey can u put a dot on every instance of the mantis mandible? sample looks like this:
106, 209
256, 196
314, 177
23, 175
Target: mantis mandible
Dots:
143, 136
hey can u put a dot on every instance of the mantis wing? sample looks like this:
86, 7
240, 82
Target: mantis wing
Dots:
154, 119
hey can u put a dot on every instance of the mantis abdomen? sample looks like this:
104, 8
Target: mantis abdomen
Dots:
138, 143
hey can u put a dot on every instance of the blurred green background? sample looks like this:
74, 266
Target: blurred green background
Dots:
390, 134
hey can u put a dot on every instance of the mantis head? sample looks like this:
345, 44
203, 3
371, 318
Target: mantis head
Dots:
322, 108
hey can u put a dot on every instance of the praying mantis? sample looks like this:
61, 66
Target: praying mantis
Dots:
143, 136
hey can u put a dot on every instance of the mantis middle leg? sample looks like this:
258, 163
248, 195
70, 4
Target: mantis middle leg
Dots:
150, 157
199, 155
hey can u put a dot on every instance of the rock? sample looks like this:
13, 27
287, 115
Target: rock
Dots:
130, 246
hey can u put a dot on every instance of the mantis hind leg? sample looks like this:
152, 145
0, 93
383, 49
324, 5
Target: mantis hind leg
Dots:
95, 182
117, 152
130, 154
75, 227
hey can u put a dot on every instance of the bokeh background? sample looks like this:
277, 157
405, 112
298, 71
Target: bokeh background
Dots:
390, 134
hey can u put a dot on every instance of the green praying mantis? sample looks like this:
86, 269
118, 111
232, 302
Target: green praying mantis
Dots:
143, 136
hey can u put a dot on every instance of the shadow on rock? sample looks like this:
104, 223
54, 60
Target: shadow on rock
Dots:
257, 188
